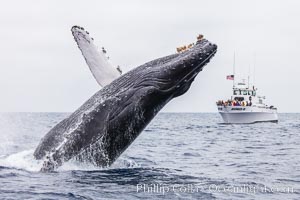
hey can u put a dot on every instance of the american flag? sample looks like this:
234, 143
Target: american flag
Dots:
230, 77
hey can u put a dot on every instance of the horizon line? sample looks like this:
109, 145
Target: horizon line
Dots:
175, 112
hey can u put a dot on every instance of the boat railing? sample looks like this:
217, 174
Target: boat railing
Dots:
233, 103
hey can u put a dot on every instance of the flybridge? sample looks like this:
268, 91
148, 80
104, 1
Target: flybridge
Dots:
239, 91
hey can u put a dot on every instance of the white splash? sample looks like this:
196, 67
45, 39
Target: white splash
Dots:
25, 160
22, 160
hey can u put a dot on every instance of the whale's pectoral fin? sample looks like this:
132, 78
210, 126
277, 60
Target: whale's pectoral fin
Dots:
103, 71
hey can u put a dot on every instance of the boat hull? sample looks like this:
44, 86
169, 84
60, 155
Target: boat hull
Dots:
248, 115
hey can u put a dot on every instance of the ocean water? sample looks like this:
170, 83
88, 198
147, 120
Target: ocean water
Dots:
178, 156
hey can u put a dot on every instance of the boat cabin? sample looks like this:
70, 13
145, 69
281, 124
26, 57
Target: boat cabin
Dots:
247, 92
241, 93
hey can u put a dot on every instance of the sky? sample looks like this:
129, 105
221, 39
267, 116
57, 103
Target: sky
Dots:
42, 70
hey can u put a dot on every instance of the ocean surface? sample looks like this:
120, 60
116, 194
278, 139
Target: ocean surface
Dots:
178, 156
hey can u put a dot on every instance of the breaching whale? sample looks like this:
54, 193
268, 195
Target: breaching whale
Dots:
106, 124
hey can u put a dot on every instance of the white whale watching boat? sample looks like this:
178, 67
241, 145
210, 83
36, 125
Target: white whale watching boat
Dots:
245, 106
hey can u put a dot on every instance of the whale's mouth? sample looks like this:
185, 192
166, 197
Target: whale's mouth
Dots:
183, 84
191, 75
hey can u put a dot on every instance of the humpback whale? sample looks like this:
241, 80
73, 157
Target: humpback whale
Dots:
106, 124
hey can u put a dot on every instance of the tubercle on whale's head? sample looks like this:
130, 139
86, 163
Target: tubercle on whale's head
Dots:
176, 75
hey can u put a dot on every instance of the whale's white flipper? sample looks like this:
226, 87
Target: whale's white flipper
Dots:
103, 71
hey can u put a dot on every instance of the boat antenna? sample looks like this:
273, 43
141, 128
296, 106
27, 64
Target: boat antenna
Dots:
249, 77
254, 60
233, 69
